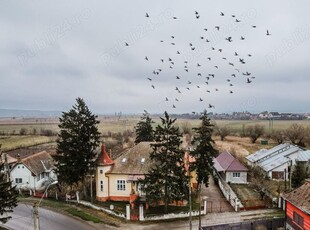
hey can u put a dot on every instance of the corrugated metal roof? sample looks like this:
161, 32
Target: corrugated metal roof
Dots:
278, 159
264, 153
303, 155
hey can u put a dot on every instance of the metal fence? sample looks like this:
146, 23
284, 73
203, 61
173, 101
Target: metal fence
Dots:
268, 224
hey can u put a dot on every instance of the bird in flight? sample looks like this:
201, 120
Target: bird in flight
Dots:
217, 27
146, 58
150, 79
222, 14
126, 44
267, 33
229, 39
248, 80
200, 99
174, 18
242, 38
147, 15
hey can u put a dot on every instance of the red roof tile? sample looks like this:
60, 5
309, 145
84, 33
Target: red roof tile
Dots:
104, 158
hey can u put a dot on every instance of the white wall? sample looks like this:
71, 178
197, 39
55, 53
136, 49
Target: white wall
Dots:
102, 177
280, 169
21, 171
236, 180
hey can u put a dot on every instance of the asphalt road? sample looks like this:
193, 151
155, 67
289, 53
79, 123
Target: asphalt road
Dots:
22, 219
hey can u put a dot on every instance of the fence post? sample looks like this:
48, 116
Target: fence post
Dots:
141, 216
205, 206
127, 211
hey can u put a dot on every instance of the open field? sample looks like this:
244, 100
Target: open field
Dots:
14, 142
115, 125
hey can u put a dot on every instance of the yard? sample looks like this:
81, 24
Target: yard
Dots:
248, 196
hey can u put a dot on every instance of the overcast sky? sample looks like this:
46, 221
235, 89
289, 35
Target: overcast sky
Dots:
55, 51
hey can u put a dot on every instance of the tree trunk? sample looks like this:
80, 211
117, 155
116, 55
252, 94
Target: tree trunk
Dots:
166, 199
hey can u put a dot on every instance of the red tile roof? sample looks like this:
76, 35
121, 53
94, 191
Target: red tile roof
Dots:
104, 158
300, 197
226, 162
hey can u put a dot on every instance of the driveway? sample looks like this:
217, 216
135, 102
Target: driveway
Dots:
216, 201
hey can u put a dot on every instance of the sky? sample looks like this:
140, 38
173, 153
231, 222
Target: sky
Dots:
55, 51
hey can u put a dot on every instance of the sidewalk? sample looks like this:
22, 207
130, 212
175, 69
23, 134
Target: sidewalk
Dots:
206, 220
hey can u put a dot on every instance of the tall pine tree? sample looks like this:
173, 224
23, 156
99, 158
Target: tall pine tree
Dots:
167, 180
76, 143
144, 129
299, 174
8, 194
204, 151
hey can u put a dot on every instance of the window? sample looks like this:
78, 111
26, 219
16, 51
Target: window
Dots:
298, 219
236, 174
121, 185
101, 185
101, 171
18, 180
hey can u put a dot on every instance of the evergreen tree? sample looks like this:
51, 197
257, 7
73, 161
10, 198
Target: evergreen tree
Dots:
144, 129
167, 180
76, 143
8, 195
298, 175
204, 151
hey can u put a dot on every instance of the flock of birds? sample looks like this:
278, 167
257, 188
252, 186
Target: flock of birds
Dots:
193, 75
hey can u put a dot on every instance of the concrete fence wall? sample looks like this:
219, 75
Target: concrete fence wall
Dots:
229, 194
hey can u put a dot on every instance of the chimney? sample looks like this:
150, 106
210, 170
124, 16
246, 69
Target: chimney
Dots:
18, 158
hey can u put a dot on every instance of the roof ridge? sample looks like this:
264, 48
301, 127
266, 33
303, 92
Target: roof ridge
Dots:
33, 155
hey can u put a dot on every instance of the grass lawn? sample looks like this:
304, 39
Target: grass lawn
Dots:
80, 211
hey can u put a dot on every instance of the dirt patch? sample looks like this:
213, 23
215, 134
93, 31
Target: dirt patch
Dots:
232, 147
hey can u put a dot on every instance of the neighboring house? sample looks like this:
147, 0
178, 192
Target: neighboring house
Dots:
33, 172
277, 161
297, 207
230, 168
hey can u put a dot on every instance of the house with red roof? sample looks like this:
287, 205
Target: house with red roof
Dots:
297, 207
230, 168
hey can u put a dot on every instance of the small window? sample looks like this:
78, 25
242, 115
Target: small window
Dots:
101, 171
18, 167
101, 185
298, 219
121, 186
23, 167
236, 174
18, 180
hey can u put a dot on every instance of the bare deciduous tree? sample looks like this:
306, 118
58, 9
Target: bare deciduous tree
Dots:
296, 134
222, 131
278, 136
254, 132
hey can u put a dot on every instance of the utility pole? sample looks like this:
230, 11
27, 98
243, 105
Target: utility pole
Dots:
36, 217
189, 192
91, 188
199, 194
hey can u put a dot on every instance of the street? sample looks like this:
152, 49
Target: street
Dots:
22, 219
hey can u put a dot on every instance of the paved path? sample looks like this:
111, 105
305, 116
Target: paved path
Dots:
207, 220
216, 201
